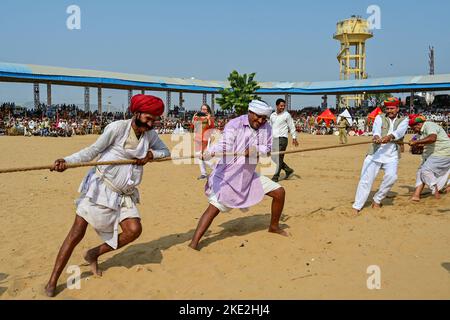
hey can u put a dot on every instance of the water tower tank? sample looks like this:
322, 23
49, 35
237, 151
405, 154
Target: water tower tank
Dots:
352, 34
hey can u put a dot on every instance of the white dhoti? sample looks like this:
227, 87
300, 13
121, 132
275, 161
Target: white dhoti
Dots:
105, 220
369, 173
109, 194
104, 207
434, 172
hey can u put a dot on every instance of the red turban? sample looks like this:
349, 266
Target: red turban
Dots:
416, 118
391, 102
147, 104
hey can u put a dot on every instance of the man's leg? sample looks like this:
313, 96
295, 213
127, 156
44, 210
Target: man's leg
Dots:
430, 179
345, 137
74, 237
278, 197
283, 165
419, 186
368, 174
203, 172
276, 158
203, 225
442, 182
389, 179
131, 230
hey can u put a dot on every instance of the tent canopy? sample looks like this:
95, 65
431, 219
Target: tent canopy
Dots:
327, 116
346, 115
375, 113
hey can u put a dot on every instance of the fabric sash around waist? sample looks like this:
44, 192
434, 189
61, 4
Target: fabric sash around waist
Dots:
127, 199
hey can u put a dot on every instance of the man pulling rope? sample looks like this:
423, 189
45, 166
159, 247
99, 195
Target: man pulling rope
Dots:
109, 193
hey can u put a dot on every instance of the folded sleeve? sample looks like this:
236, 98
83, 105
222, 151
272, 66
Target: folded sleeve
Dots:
401, 130
105, 140
158, 148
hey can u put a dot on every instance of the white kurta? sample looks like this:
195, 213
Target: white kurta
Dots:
108, 193
385, 158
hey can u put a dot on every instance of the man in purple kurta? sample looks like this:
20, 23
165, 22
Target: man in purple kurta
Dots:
234, 182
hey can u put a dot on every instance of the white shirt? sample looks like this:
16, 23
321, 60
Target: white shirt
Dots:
388, 152
110, 146
282, 124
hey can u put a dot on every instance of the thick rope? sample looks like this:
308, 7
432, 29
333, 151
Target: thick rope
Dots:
125, 162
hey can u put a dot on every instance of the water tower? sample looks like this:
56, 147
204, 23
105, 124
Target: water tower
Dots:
352, 34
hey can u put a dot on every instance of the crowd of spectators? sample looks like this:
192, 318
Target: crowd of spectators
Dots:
68, 120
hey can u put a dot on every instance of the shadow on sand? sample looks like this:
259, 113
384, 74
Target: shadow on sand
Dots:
152, 252
446, 266
3, 276
388, 201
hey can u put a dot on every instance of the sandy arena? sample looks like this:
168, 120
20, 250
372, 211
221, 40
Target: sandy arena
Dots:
326, 256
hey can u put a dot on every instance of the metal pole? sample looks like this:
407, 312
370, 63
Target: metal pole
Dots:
37, 100
168, 103
212, 103
205, 98
180, 100
411, 103
130, 95
99, 104
49, 94
87, 99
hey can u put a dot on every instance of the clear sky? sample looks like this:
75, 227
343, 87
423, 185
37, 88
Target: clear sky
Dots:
283, 40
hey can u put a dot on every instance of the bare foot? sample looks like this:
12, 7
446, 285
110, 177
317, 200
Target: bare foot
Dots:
415, 199
437, 195
50, 290
447, 190
192, 246
356, 212
279, 231
92, 260
376, 205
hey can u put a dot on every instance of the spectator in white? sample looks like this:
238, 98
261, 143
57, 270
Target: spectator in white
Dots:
282, 123
384, 154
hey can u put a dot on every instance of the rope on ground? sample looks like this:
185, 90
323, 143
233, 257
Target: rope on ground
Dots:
127, 162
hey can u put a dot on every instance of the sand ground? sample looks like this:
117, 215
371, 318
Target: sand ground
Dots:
326, 256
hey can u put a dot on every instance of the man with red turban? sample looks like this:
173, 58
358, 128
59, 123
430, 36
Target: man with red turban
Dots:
383, 154
435, 168
109, 194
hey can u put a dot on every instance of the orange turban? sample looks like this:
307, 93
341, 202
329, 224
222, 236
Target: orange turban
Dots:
147, 104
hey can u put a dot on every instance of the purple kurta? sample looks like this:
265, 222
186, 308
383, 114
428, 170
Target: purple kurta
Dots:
234, 180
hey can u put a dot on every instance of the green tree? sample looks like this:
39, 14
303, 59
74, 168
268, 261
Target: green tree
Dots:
379, 97
241, 92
